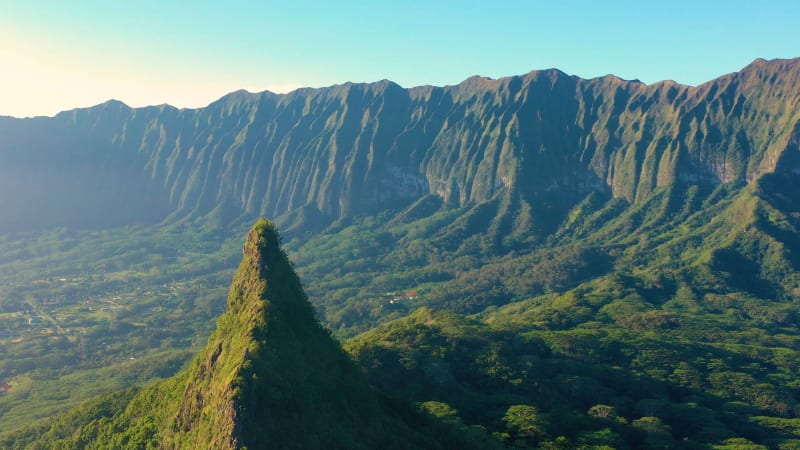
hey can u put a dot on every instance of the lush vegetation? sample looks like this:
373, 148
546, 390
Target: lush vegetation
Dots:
83, 313
270, 377
671, 324
538, 261
675, 318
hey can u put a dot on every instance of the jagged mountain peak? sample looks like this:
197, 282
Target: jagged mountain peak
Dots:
760, 71
114, 103
776, 63
270, 376
267, 352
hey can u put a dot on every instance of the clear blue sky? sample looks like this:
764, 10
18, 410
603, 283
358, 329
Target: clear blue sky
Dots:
61, 54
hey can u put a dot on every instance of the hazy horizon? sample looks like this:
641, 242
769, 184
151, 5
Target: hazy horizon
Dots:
64, 56
288, 89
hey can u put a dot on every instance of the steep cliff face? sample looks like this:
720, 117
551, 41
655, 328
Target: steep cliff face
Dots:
354, 148
732, 129
69, 171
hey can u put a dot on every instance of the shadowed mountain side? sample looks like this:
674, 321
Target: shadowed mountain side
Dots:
543, 141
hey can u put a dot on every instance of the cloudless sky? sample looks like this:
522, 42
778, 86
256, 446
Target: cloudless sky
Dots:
61, 54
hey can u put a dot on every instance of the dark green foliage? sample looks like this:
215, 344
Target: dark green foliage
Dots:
590, 386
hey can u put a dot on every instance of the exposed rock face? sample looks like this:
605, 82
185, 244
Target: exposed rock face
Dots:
354, 148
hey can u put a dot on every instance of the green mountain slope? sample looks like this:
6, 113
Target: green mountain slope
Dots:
732, 238
269, 377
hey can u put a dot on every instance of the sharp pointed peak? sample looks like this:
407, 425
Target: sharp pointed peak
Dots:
262, 236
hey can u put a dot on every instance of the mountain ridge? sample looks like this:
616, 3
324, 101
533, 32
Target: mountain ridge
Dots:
356, 148
268, 92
